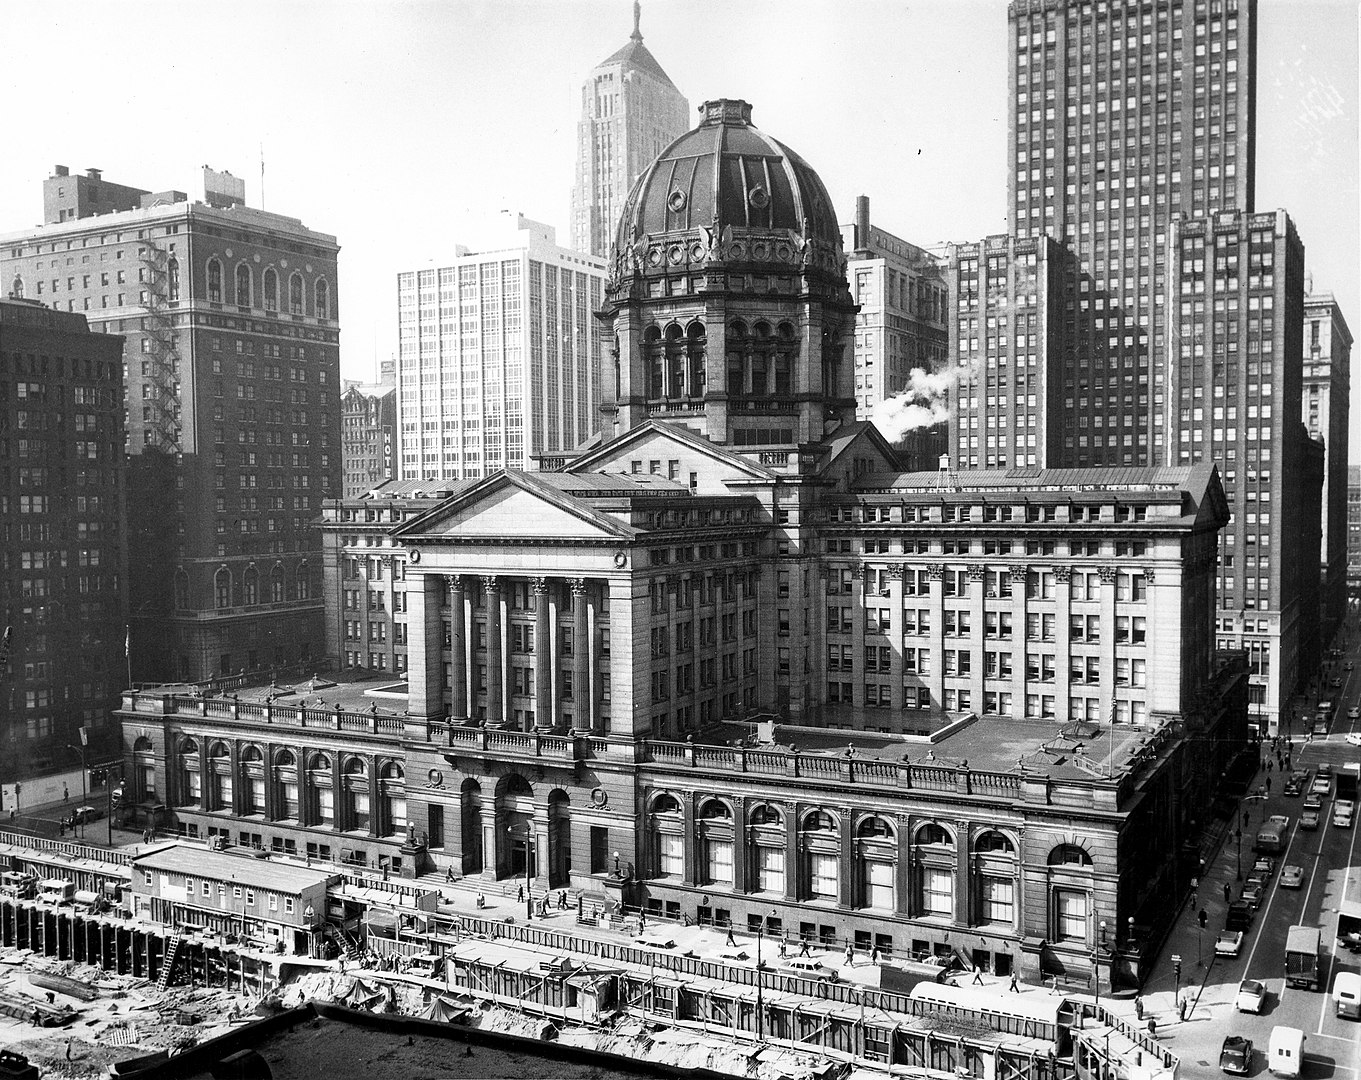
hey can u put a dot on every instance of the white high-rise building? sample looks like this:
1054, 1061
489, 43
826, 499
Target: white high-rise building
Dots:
499, 355
630, 113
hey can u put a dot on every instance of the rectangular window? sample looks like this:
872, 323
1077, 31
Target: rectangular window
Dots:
937, 892
998, 900
823, 876
670, 855
718, 866
1070, 915
770, 870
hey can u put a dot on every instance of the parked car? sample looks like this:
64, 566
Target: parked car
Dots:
1342, 815
1252, 892
1264, 865
1309, 819
1251, 996
1353, 738
807, 968
1293, 786
1325, 768
1228, 942
1354, 713
1236, 1055
1292, 877
1337, 681
1239, 916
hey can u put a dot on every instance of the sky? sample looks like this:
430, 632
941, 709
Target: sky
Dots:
400, 126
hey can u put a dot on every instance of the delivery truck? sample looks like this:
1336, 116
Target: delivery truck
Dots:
1301, 956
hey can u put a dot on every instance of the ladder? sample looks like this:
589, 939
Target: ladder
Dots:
350, 945
172, 948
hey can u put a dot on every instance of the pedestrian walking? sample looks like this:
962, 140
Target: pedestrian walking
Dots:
1228, 893
65, 794
449, 875
1152, 1027
562, 900
642, 920
1268, 769
783, 949
1014, 988
732, 941
803, 947
1138, 1008
977, 976
520, 894
1268, 785
1181, 1008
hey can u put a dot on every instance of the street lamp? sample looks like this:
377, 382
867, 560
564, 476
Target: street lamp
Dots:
529, 858
1238, 858
84, 773
1096, 966
760, 977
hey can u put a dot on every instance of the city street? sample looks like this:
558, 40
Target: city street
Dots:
1328, 858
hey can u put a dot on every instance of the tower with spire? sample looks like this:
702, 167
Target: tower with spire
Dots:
630, 113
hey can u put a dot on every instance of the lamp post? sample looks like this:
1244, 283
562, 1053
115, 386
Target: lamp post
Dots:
1096, 966
529, 858
760, 976
1238, 858
84, 773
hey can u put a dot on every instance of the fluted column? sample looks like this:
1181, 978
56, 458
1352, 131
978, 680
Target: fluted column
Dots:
458, 648
543, 656
496, 710
581, 658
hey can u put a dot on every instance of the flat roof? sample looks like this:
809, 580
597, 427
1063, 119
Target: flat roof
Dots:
196, 861
988, 744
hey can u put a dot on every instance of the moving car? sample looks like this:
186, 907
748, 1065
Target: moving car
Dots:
1322, 785
1309, 819
1325, 768
1313, 801
1228, 942
1337, 682
1285, 1051
1348, 666
1353, 738
1264, 866
1294, 784
1292, 877
1354, 713
1320, 725
1251, 996
1342, 815
807, 968
1236, 1055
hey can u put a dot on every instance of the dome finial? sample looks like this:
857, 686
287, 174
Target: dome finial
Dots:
637, 34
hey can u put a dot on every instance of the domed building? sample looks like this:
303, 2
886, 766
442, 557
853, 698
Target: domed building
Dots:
728, 293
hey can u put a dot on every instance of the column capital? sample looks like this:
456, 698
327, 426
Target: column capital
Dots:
490, 583
456, 582
936, 571
976, 571
1063, 574
577, 585
1149, 575
539, 585
1107, 574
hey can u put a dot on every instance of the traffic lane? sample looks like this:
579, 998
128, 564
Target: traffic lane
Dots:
1343, 881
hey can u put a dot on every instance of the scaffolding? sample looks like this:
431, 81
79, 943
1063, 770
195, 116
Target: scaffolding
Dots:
161, 352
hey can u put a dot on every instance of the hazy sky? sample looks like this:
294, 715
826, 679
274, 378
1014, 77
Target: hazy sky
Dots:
397, 125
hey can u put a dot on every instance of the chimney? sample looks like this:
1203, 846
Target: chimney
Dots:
862, 226
60, 170
93, 174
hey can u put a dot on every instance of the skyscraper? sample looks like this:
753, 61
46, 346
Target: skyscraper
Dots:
1125, 116
63, 549
232, 374
1327, 415
499, 355
630, 111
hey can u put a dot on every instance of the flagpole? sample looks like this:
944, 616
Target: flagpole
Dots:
127, 651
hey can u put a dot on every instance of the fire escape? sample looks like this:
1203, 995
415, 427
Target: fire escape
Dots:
162, 354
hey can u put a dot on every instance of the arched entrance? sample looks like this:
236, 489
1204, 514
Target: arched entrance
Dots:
472, 818
559, 839
517, 839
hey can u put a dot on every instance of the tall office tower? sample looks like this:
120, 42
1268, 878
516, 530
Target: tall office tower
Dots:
899, 330
232, 372
1236, 304
368, 437
499, 355
1126, 116
1353, 530
63, 580
1327, 415
1005, 395
630, 112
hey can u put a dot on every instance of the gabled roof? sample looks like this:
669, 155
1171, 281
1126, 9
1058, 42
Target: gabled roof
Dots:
545, 488
681, 434
844, 437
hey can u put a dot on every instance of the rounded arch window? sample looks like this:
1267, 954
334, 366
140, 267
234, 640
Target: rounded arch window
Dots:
666, 837
243, 285
355, 766
251, 755
392, 771
181, 589
295, 295
270, 289
222, 588
652, 335
302, 582
695, 331
665, 804
786, 331
214, 281
933, 835
276, 585
321, 300
319, 763
819, 821
250, 586
172, 276
993, 842
285, 759
189, 746
874, 828
673, 332
715, 810
738, 329
219, 750
1069, 855
142, 745
767, 815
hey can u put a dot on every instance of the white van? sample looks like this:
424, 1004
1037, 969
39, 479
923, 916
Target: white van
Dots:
1285, 1051
56, 891
1347, 994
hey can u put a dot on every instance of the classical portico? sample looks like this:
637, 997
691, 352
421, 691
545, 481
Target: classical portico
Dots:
521, 651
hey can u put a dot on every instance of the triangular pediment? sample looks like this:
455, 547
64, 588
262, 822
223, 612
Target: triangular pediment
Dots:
663, 443
513, 505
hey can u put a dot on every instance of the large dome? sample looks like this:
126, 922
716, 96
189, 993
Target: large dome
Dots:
726, 192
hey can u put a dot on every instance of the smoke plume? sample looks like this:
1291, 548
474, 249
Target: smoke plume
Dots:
921, 403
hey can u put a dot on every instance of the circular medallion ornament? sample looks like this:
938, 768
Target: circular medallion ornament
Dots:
760, 252
655, 257
436, 778
599, 797
758, 197
620, 560
414, 555
676, 200
737, 250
